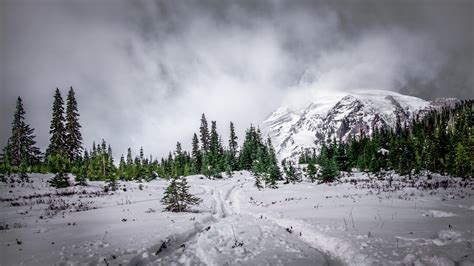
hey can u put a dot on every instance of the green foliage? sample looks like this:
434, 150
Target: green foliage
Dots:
20, 147
292, 174
328, 170
81, 180
57, 163
311, 171
73, 137
441, 141
98, 164
57, 145
60, 180
211, 158
177, 197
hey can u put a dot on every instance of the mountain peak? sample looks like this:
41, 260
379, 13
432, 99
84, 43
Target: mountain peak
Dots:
339, 116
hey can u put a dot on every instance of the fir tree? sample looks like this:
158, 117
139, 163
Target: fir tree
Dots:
177, 197
329, 169
272, 176
60, 180
129, 157
214, 150
204, 135
73, 137
272, 164
57, 146
292, 174
233, 146
21, 147
311, 171
142, 155
196, 154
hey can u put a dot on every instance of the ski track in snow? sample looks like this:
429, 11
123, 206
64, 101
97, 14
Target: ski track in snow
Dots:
233, 238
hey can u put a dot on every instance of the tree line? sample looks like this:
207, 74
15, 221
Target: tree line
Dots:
440, 141
65, 153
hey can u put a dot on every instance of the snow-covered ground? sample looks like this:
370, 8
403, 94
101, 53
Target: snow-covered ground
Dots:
358, 220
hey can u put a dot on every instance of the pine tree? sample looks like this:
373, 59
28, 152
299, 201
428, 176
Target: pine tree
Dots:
129, 157
73, 140
311, 171
206, 166
179, 160
204, 135
214, 150
177, 197
292, 174
60, 180
196, 154
57, 146
233, 146
142, 155
462, 161
273, 175
21, 147
328, 166
272, 164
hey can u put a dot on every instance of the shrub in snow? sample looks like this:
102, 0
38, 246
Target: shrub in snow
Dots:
3, 226
112, 184
81, 180
177, 197
60, 180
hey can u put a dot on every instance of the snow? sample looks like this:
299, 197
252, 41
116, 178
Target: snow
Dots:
336, 116
359, 220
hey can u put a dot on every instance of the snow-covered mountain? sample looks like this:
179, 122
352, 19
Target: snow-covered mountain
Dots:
339, 116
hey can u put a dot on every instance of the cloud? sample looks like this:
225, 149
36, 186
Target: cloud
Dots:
144, 71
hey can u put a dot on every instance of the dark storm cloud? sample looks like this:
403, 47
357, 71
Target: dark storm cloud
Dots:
144, 71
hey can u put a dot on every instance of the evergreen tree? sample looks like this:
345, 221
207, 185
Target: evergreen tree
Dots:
204, 134
142, 155
328, 166
177, 197
57, 146
129, 157
292, 174
273, 169
233, 146
21, 147
60, 180
73, 137
462, 161
215, 149
196, 155
99, 164
311, 171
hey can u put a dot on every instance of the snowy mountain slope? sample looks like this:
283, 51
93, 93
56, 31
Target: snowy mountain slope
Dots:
339, 117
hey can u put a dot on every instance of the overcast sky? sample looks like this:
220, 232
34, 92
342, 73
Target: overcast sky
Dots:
144, 71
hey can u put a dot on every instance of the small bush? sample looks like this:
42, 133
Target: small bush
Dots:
60, 180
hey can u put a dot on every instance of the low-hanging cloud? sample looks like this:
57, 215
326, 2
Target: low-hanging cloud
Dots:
144, 71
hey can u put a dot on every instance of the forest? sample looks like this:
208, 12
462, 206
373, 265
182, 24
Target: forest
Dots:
439, 141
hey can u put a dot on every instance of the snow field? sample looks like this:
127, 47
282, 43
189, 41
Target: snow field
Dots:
359, 220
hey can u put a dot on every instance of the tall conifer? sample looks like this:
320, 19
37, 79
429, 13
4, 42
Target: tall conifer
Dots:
21, 144
73, 134
57, 144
